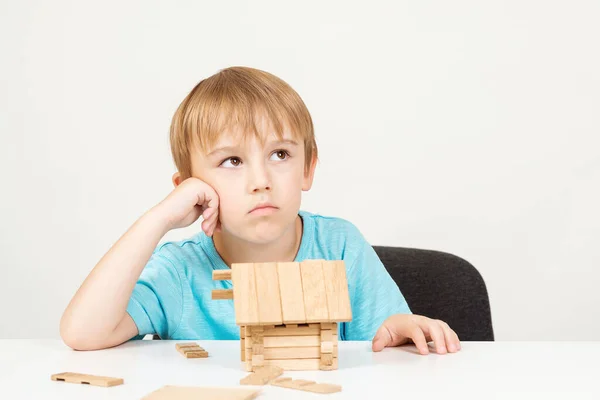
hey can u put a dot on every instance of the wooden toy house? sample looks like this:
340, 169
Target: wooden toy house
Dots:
288, 312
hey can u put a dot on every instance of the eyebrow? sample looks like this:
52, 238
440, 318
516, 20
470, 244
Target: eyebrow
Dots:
226, 149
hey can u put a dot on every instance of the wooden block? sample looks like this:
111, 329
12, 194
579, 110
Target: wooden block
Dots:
267, 288
196, 354
193, 352
306, 364
222, 294
243, 349
336, 286
242, 332
293, 331
84, 379
296, 341
262, 376
292, 299
258, 360
329, 325
323, 388
327, 335
282, 353
298, 383
257, 348
315, 298
204, 393
179, 346
291, 325
221, 274
257, 335
326, 360
327, 347
244, 294
309, 386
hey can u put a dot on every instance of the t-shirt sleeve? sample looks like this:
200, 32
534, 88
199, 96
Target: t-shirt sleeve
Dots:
374, 294
157, 299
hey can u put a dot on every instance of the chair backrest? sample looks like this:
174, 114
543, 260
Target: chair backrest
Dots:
441, 286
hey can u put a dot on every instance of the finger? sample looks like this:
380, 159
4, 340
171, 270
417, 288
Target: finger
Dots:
206, 227
208, 213
437, 335
418, 337
214, 220
452, 341
207, 224
381, 339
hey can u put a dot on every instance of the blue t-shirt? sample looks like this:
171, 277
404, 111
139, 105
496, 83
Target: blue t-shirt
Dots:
172, 297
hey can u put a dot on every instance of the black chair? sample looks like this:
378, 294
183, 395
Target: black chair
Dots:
441, 286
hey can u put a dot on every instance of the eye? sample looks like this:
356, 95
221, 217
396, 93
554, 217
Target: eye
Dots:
235, 162
281, 155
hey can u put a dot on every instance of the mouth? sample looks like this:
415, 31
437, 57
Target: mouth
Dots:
263, 209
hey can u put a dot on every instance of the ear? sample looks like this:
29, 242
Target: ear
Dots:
309, 175
176, 179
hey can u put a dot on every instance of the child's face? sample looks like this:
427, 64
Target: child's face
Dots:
247, 174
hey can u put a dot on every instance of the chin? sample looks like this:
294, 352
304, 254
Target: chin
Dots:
264, 233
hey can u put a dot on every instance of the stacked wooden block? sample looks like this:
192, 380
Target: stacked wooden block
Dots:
291, 346
288, 312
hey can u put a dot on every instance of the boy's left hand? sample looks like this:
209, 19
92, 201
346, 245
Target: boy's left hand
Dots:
401, 328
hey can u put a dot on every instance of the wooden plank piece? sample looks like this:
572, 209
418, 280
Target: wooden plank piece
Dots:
309, 386
205, 393
221, 274
336, 287
85, 379
244, 294
282, 353
262, 375
315, 297
292, 295
296, 341
268, 297
292, 331
222, 294
306, 364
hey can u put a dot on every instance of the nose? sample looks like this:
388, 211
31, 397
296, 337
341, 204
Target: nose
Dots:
259, 178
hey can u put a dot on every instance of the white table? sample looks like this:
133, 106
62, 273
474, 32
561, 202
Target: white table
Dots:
507, 370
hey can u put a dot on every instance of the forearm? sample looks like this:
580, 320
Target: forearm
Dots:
101, 301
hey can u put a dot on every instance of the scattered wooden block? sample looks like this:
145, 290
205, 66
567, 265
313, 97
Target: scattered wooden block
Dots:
221, 274
308, 386
94, 380
222, 294
204, 393
262, 376
179, 346
191, 350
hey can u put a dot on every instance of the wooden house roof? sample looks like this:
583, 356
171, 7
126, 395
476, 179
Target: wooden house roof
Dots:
310, 291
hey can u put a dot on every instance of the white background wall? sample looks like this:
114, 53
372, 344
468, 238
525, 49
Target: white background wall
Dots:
467, 127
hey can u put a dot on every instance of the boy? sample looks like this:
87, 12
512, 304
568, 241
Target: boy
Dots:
244, 147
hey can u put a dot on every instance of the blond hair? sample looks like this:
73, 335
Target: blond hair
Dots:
237, 97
